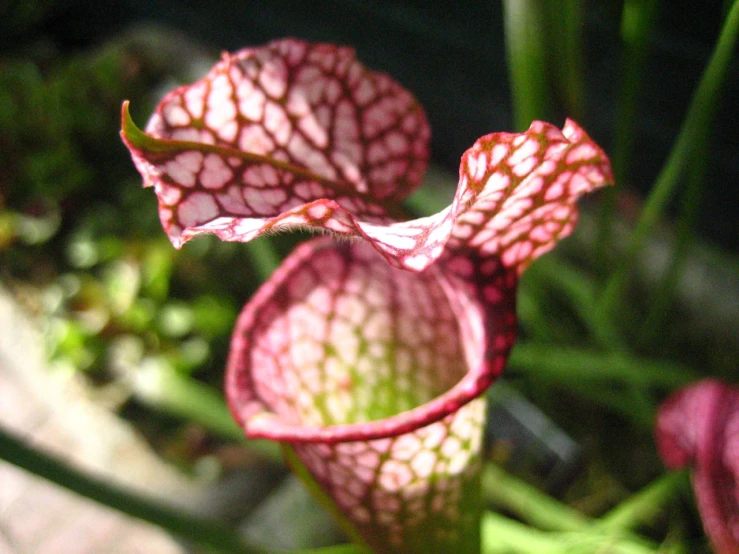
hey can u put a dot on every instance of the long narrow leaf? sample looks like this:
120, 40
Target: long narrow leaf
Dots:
699, 115
206, 532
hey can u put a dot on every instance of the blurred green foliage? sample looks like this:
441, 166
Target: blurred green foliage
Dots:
81, 243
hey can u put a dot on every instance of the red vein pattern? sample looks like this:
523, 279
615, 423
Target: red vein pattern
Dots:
523, 188
370, 358
699, 426
516, 194
373, 374
313, 123
414, 493
335, 319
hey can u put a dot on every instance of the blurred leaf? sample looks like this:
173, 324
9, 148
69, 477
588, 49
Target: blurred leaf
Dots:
213, 316
122, 278
527, 60
157, 270
176, 319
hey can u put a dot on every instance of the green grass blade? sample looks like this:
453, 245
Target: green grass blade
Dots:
645, 505
526, 51
699, 116
205, 532
637, 20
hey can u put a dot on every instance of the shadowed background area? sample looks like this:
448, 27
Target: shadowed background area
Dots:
452, 56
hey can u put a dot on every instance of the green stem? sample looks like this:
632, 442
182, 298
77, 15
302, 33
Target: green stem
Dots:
202, 531
565, 21
338, 549
699, 115
637, 19
595, 540
528, 502
675, 542
568, 527
501, 535
264, 258
684, 236
600, 378
632, 405
535, 321
525, 47
572, 364
581, 293
645, 505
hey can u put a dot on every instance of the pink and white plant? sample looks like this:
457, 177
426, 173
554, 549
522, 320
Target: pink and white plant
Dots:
698, 426
369, 357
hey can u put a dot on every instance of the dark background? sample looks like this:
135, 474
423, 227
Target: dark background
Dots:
451, 55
